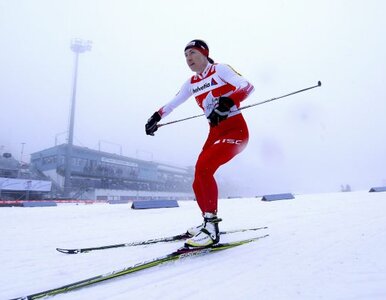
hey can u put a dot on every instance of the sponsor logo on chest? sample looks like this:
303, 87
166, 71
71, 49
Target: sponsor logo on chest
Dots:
201, 87
204, 85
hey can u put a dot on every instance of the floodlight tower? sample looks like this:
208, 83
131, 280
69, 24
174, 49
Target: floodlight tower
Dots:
77, 46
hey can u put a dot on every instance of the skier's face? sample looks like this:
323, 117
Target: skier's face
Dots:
196, 60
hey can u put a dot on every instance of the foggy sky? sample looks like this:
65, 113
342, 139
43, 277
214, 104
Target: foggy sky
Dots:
311, 142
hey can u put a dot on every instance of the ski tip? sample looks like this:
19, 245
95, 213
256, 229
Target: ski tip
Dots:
68, 251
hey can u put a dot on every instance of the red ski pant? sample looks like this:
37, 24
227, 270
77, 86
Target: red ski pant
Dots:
224, 142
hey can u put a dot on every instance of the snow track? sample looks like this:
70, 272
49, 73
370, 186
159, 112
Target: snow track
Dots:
325, 246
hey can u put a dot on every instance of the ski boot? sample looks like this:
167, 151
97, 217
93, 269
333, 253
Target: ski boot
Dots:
206, 234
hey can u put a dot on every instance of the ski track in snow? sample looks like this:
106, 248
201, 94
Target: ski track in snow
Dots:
324, 246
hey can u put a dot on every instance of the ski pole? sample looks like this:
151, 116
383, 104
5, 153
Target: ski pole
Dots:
248, 106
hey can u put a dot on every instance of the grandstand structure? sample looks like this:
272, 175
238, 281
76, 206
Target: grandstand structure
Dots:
99, 175
20, 181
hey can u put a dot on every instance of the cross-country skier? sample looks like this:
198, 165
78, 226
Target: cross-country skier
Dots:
218, 90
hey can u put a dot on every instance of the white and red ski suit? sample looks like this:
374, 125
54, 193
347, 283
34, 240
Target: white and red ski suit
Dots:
224, 141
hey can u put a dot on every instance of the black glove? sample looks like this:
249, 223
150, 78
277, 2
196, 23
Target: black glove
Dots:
151, 125
221, 112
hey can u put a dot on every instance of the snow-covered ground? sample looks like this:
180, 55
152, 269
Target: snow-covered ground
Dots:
325, 246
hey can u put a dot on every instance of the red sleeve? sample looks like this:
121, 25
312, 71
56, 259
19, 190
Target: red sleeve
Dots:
242, 93
243, 88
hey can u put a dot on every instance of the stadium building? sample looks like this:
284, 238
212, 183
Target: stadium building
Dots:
99, 175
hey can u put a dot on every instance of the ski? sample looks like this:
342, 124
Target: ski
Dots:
174, 238
179, 254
